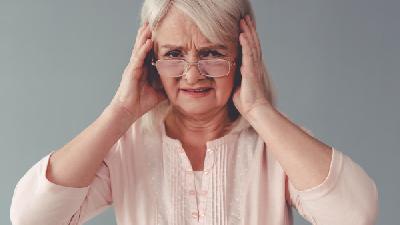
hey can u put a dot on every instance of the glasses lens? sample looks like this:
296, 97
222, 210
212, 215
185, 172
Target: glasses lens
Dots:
214, 67
170, 68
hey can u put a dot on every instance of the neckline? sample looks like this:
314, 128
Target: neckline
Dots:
238, 125
211, 144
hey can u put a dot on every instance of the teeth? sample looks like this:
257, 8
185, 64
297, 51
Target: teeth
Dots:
197, 90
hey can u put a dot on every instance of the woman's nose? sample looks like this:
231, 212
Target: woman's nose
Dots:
193, 74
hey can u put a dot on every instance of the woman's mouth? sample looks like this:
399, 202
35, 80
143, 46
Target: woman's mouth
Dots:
197, 92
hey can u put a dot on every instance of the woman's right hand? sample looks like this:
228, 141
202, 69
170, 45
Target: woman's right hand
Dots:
135, 95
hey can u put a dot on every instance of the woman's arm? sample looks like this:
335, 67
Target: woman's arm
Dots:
75, 164
70, 185
305, 159
36, 200
346, 196
75, 179
73, 184
341, 193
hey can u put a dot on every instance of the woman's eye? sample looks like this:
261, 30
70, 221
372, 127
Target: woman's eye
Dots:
211, 54
173, 54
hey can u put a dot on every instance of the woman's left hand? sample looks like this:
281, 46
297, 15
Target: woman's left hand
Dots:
251, 93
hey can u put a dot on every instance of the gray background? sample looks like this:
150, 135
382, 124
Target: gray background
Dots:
334, 63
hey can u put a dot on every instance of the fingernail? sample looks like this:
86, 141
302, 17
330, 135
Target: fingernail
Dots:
244, 22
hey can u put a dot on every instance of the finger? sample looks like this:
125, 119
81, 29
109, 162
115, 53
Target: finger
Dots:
254, 35
140, 31
251, 29
138, 59
139, 38
146, 33
247, 54
251, 40
144, 49
142, 36
246, 29
250, 21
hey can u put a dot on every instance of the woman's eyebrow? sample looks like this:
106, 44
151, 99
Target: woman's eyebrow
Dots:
214, 47
217, 46
168, 46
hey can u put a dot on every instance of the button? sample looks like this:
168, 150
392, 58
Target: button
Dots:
209, 150
192, 192
194, 215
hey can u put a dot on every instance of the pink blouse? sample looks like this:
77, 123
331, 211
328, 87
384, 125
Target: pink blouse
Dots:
148, 179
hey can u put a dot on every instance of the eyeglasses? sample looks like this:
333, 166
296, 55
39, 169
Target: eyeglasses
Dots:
207, 67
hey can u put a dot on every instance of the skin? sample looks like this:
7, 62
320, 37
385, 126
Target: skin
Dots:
304, 159
193, 121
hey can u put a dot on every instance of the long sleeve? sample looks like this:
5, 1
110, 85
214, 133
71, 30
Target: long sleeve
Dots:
347, 196
36, 200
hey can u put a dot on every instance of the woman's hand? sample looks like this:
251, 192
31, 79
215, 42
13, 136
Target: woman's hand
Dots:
135, 95
251, 93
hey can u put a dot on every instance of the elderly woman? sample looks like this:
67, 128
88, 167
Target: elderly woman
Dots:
192, 137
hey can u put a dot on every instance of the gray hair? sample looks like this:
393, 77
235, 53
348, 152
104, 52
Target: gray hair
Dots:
218, 20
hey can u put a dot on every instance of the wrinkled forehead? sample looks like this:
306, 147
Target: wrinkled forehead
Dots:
178, 29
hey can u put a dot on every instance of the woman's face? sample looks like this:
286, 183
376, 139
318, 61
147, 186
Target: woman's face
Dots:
177, 37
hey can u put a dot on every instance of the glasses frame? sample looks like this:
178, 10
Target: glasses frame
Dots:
188, 64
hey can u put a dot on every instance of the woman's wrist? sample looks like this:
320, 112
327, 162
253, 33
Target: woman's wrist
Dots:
117, 110
257, 113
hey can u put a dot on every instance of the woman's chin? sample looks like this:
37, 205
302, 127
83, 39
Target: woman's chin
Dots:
196, 109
